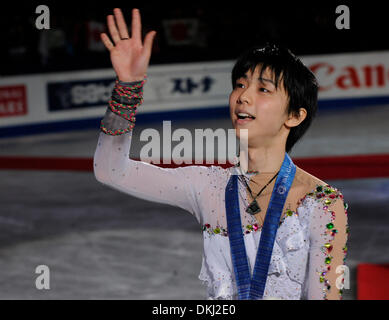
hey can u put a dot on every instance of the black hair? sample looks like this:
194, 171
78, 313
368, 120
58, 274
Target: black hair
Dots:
299, 82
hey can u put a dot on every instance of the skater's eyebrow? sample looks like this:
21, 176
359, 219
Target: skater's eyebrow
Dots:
260, 79
266, 80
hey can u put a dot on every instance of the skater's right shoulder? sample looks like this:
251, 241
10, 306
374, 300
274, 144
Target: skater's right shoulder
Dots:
210, 171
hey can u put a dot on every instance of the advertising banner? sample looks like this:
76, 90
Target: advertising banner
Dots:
13, 101
350, 79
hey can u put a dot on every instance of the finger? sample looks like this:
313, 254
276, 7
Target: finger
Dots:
106, 41
136, 26
112, 29
123, 30
148, 44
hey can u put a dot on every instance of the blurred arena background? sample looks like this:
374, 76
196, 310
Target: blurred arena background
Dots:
102, 244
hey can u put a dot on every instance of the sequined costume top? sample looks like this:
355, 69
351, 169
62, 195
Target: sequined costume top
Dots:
310, 247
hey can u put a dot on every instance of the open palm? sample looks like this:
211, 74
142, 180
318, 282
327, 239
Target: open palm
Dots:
130, 58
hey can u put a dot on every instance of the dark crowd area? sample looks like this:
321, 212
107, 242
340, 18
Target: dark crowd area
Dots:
187, 31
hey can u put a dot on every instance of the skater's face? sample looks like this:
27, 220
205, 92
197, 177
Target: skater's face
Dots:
266, 104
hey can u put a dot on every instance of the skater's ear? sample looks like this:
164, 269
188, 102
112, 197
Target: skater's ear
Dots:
295, 118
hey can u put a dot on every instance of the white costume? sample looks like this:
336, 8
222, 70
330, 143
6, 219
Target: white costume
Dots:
310, 241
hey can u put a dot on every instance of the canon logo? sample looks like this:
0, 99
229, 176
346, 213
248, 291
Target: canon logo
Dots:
349, 77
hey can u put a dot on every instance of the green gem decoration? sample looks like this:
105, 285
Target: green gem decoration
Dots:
330, 225
289, 212
319, 189
250, 227
328, 260
345, 206
216, 230
321, 279
327, 191
327, 202
327, 245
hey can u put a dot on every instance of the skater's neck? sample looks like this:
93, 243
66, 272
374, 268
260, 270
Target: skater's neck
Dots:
262, 159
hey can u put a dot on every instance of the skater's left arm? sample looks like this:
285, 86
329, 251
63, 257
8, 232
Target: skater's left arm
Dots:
328, 247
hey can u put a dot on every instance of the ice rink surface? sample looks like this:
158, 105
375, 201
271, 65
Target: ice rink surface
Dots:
103, 244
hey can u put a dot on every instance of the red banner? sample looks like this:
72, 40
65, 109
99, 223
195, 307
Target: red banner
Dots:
13, 101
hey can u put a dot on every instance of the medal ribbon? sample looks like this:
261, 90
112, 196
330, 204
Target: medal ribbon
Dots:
253, 288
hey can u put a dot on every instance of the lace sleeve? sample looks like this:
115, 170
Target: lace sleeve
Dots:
328, 245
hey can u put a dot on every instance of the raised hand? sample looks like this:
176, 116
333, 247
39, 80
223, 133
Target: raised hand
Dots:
130, 58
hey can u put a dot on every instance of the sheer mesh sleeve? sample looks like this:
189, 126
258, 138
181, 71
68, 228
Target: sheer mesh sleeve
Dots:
328, 245
113, 167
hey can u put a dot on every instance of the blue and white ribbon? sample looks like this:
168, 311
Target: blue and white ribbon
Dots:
252, 288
